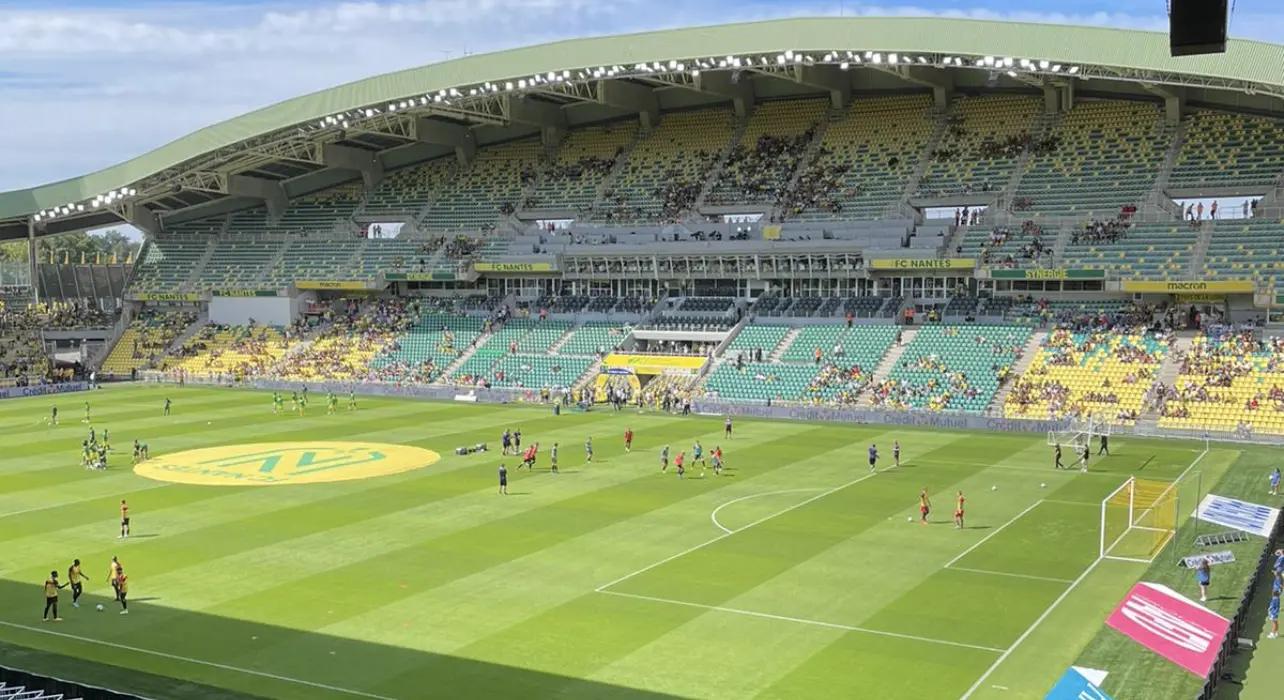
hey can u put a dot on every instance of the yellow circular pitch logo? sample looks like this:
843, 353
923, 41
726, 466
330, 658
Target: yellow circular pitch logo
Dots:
272, 463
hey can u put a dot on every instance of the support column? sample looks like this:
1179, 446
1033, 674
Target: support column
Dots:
32, 262
1051, 99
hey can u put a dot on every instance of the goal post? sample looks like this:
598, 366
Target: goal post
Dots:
1138, 519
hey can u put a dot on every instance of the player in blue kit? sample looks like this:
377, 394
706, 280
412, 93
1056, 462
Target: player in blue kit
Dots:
588, 450
873, 456
503, 480
1275, 482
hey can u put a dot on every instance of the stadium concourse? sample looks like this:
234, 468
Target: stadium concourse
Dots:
1063, 237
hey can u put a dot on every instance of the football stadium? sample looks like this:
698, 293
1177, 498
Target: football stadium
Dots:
910, 358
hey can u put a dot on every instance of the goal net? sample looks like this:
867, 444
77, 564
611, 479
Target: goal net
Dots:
1138, 519
1079, 433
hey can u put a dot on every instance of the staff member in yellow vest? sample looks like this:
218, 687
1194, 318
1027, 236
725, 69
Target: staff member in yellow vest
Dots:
51, 596
74, 576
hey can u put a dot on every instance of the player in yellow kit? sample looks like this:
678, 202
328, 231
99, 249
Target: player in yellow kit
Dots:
74, 577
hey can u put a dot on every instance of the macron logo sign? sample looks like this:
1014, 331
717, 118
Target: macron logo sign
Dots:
1171, 625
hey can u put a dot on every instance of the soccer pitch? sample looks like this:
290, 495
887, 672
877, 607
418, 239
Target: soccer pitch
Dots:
794, 574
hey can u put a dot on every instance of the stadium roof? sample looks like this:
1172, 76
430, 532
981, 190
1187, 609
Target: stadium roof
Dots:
348, 127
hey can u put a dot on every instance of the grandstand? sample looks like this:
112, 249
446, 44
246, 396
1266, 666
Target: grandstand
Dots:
982, 229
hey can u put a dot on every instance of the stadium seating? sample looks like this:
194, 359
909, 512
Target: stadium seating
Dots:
773, 143
238, 351
474, 198
405, 192
760, 381
345, 348
866, 157
584, 159
667, 168
593, 337
325, 212
1151, 251
952, 368
537, 371
427, 347
1229, 150
145, 340
983, 140
1103, 375
314, 259
165, 265
1062, 312
1107, 155
860, 345
754, 337
237, 264
1252, 249
1229, 384
22, 355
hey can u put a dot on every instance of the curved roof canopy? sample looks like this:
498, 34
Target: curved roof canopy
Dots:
442, 102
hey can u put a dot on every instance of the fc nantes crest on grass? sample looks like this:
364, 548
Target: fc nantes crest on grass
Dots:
272, 463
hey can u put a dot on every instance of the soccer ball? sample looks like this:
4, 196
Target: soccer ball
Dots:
99, 607
909, 518
994, 488
1043, 485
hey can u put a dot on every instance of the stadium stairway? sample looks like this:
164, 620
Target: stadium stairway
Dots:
715, 173
202, 320
1158, 204
1199, 252
783, 345
900, 206
1168, 372
450, 369
809, 154
199, 268
888, 363
613, 176
1027, 358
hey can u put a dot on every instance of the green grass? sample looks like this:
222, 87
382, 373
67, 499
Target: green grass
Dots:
608, 580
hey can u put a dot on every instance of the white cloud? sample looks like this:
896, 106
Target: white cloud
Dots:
88, 87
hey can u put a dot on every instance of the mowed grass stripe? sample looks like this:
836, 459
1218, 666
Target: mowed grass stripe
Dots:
591, 650
477, 427
583, 562
307, 592
153, 515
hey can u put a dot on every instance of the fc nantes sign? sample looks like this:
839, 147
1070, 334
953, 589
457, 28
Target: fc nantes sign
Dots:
922, 263
273, 463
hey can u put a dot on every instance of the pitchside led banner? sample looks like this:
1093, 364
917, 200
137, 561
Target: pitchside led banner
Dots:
1230, 512
1171, 625
1074, 686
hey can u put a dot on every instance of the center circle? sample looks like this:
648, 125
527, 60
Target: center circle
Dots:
275, 463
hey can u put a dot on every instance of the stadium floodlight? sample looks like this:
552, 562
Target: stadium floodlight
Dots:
566, 75
1011, 74
695, 73
508, 85
345, 124
988, 60
521, 84
1056, 68
922, 59
844, 65
392, 108
789, 54
1043, 65
893, 59
80, 207
1073, 70
780, 60
878, 58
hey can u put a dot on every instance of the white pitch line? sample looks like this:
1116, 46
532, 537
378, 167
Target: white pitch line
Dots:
78, 500
1064, 594
725, 535
714, 515
803, 621
1053, 579
983, 540
199, 662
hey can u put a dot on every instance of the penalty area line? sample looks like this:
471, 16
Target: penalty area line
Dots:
714, 515
802, 621
727, 533
199, 662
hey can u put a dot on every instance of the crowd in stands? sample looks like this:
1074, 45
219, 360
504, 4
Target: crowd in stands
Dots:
818, 188
1098, 232
72, 314
1030, 246
350, 337
756, 174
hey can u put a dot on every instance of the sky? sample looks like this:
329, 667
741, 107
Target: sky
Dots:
88, 83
